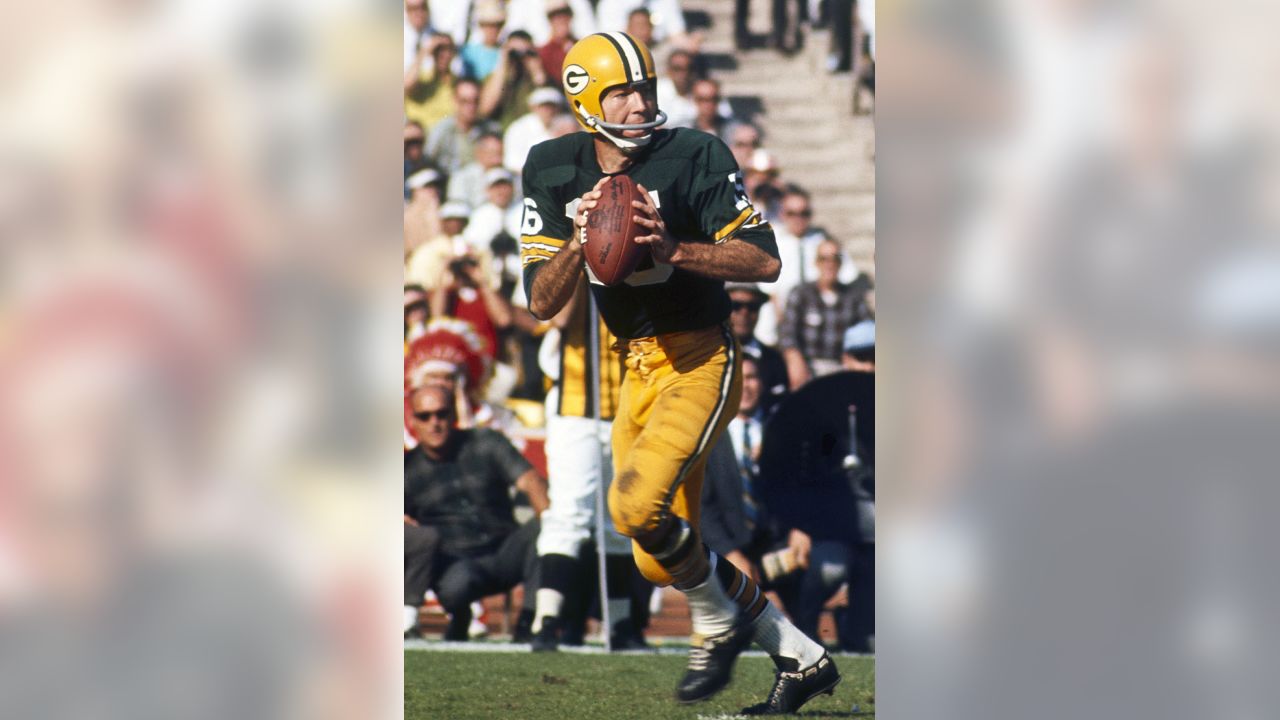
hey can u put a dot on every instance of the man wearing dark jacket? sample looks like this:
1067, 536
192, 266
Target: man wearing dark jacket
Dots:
461, 535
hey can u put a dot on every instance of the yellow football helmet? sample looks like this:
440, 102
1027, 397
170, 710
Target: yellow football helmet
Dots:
597, 63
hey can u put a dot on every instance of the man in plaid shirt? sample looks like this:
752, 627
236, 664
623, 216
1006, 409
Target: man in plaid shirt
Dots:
817, 315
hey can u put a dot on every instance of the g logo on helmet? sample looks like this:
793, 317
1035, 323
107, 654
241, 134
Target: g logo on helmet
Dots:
575, 79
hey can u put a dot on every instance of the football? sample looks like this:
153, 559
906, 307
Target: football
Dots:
609, 239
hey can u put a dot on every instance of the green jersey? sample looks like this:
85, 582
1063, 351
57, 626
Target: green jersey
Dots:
697, 188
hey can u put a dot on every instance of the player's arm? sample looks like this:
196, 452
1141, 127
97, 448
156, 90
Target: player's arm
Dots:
555, 280
743, 248
733, 260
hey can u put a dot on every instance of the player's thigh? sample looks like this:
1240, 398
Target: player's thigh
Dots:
687, 413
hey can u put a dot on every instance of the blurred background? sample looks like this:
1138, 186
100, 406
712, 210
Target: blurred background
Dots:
1078, 296
199, 256
198, 381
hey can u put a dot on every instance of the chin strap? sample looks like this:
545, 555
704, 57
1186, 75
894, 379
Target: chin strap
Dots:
624, 143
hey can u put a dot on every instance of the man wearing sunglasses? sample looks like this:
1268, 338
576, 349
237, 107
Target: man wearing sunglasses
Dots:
746, 301
461, 536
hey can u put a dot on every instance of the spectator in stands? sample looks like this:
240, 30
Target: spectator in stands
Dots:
675, 90
817, 315
480, 55
798, 239
840, 59
532, 127
780, 558
422, 212
467, 185
761, 169
470, 293
746, 300
500, 213
461, 535
864, 56
453, 17
428, 264
531, 17
563, 124
666, 16
860, 347
763, 183
640, 26
428, 93
414, 142
723, 522
451, 143
560, 19
417, 31
505, 96
416, 312
453, 356
744, 140
706, 101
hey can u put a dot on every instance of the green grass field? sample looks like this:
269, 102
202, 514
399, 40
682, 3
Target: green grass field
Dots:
568, 686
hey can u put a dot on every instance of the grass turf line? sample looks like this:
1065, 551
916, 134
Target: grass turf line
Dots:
563, 686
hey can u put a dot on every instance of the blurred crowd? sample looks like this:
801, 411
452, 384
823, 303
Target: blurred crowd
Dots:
481, 87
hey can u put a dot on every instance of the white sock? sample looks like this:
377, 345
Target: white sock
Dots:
548, 604
410, 618
710, 609
777, 636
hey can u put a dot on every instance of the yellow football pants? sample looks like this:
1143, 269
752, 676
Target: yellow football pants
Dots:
678, 395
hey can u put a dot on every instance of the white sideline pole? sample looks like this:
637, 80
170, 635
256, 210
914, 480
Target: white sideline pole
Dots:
593, 347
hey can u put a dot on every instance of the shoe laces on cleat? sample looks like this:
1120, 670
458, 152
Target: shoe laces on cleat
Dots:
699, 657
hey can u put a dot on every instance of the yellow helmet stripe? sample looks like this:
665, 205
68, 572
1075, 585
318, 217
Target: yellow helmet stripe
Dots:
632, 58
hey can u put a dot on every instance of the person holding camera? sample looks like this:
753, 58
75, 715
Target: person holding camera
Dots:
428, 83
519, 72
469, 295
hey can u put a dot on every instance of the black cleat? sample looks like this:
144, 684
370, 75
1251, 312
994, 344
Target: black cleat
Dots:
548, 638
793, 688
711, 663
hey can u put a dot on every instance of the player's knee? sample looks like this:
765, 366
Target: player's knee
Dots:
633, 512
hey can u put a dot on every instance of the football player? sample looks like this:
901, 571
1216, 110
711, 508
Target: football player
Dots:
683, 379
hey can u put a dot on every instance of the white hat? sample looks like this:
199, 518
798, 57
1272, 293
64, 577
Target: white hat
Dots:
763, 161
498, 175
455, 210
555, 6
545, 96
490, 12
422, 178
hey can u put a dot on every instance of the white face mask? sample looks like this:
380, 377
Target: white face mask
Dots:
627, 145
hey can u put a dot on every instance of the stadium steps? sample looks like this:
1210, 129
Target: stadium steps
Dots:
807, 119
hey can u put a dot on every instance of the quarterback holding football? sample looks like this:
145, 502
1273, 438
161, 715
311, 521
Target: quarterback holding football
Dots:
665, 301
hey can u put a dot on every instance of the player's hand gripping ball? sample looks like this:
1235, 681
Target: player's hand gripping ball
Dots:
609, 236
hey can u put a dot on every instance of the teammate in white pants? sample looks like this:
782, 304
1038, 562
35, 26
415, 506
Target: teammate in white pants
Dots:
577, 460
